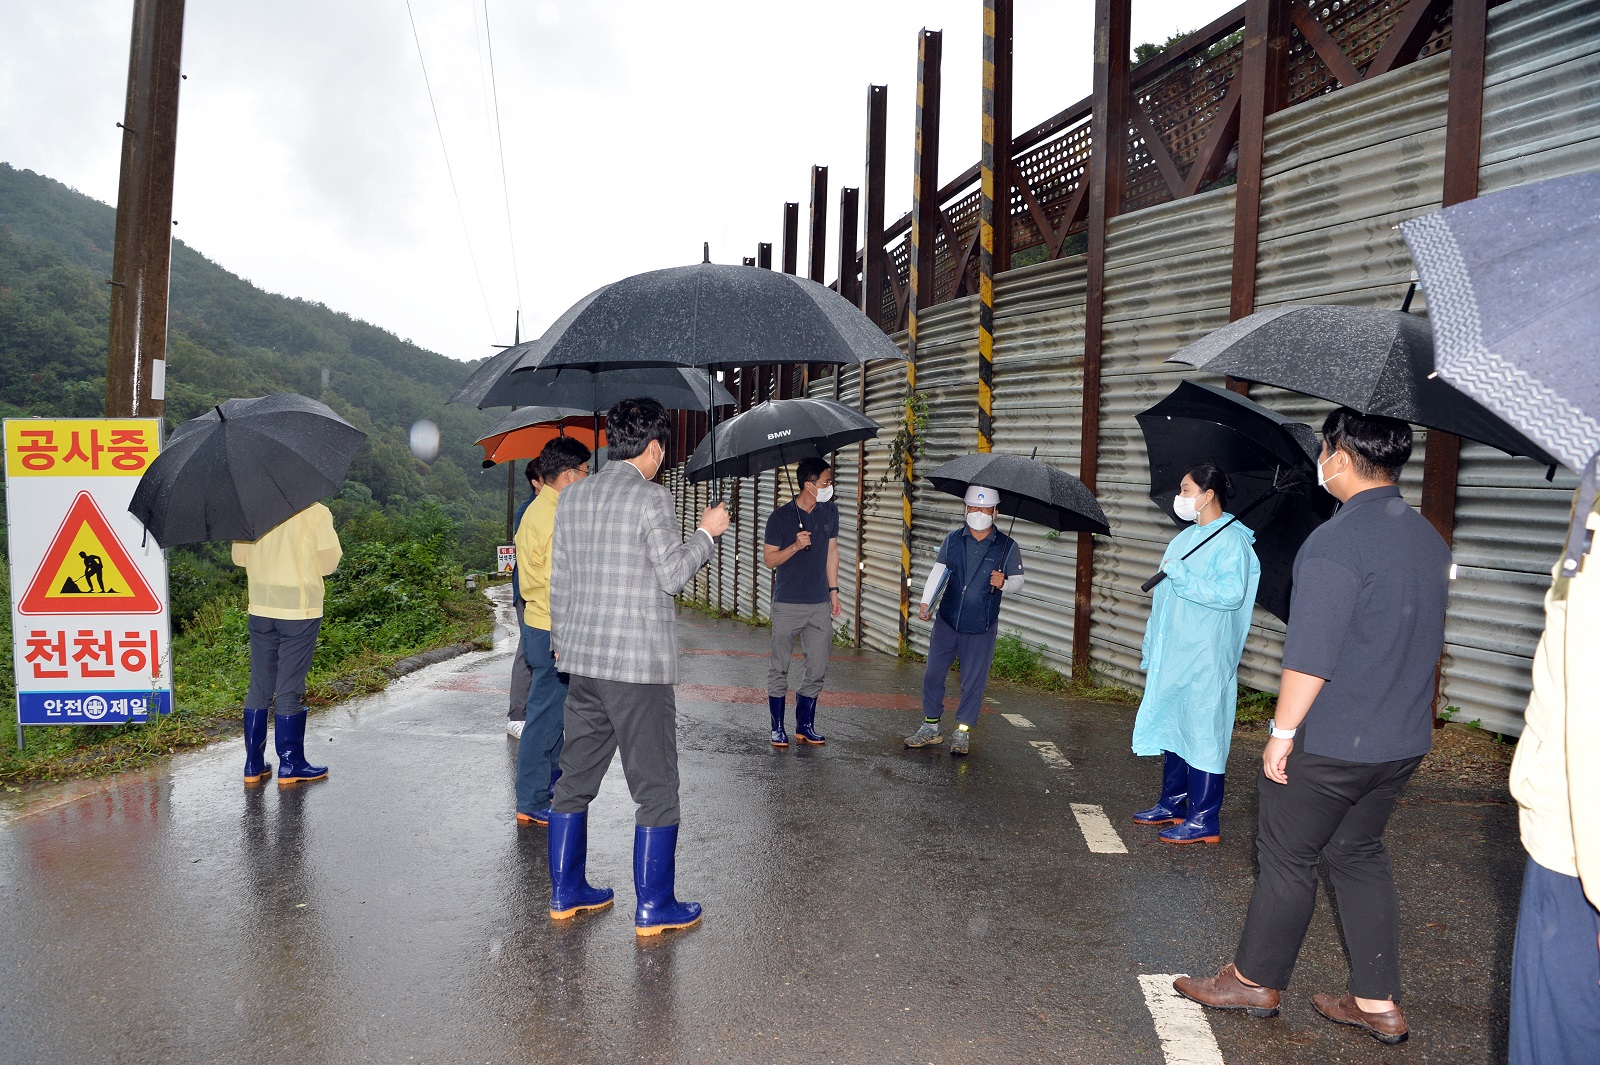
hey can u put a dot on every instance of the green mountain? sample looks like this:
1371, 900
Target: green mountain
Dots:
228, 338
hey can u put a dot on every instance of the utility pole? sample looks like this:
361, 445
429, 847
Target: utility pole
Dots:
141, 262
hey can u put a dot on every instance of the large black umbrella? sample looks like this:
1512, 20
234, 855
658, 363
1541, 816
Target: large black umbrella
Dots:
710, 315
1270, 461
243, 468
776, 433
1029, 489
1513, 284
499, 383
1370, 360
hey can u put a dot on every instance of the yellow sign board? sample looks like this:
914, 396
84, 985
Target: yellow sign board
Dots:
79, 447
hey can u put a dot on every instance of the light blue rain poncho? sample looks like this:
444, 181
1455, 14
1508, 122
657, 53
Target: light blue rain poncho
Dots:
1198, 623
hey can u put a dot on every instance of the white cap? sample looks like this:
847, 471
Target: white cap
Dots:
979, 496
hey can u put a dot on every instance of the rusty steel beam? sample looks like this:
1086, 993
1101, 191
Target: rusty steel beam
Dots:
136, 350
994, 224
1441, 464
818, 265
1109, 138
874, 271
924, 229
764, 256
791, 238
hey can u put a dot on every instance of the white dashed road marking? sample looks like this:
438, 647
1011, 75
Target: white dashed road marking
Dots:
1097, 830
1051, 754
1185, 1033
1018, 720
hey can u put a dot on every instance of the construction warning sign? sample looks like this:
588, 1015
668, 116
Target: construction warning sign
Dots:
89, 617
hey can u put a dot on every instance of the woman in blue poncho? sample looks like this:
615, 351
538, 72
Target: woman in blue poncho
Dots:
1198, 623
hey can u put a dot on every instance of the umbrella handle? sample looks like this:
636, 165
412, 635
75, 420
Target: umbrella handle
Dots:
1150, 585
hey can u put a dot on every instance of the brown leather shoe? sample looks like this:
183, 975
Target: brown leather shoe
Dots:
1225, 991
1388, 1027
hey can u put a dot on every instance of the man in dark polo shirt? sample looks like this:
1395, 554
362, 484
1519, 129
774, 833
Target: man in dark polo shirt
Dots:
1354, 718
802, 548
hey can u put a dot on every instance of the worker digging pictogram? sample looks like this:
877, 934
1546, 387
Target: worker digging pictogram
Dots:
87, 570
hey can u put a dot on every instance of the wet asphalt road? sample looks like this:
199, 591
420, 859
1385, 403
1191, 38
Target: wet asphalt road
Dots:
863, 903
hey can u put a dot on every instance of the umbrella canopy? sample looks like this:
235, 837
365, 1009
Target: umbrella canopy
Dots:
1029, 489
1513, 284
1370, 360
776, 433
1270, 463
244, 467
710, 315
523, 433
499, 383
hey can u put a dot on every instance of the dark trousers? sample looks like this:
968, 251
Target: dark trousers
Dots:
521, 681
640, 718
976, 652
1555, 972
1333, 811
280, 658
540, 747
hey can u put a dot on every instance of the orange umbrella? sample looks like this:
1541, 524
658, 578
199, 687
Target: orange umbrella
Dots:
524, 433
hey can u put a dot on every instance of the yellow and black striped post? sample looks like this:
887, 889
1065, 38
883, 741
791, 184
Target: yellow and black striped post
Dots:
924, 219
994, 234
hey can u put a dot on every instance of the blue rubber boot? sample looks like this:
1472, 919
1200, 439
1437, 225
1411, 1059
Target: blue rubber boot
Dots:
775, 703
654, 870
570, 890
289, 733
805, 720
256, 766
1173, 806
1205, 803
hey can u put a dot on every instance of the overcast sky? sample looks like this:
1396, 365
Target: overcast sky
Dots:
309, 162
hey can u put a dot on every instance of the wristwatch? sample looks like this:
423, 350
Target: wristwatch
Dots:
833, 589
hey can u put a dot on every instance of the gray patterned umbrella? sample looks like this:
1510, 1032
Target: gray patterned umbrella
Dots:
1513, 285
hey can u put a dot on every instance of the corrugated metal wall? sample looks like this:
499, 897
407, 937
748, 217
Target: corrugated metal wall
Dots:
947, 377
880, 577
1541, 102
846, 481
1038, 403
1168, 272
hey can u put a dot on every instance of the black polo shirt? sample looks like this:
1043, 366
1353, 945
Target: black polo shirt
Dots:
804, 578
1370, 589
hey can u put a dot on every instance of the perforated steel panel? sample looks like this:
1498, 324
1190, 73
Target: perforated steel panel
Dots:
1038, 404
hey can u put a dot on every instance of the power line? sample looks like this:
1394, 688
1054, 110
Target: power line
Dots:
505, 189
443, 148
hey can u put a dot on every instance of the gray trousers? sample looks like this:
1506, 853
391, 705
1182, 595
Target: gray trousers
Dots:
812, 625
642, 719
280, 658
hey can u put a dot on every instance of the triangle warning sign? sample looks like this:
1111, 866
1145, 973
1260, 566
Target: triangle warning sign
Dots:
87, 570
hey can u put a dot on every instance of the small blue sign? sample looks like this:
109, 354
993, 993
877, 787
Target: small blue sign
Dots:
91, 708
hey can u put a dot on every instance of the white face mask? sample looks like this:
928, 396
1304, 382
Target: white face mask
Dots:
1323, 479
977, 521
824, 494
1184, 507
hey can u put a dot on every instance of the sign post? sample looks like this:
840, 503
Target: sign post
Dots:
90, 623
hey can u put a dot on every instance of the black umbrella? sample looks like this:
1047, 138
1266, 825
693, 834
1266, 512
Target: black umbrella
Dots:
1270, 461
710, 315
243, 468
499, 383
1370, 360
776, 433
1029, 489
1513, 284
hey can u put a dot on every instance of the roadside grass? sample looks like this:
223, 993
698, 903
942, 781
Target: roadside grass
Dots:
395, 595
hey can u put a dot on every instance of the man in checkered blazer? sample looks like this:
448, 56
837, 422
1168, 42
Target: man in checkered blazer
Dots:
616, 564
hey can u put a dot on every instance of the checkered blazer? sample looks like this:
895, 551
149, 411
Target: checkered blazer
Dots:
616, 564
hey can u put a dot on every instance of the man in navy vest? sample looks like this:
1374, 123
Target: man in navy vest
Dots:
976, 565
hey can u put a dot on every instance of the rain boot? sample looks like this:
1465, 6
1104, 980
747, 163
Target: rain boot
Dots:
1205, 802
570, 890
289, 732
256, 766
805, 720
654, 870
1173, 806
775, 703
